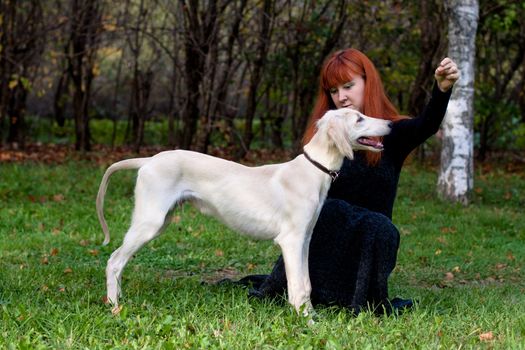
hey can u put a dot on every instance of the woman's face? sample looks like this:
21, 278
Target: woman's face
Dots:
349, 94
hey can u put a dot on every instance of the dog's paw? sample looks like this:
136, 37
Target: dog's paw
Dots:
116, 310
311, 318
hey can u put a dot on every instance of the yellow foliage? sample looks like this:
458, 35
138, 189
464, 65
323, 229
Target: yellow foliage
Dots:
13, 83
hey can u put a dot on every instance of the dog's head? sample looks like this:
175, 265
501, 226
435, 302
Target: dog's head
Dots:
348, 130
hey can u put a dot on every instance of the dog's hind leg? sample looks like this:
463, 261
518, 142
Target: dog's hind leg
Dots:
150, 216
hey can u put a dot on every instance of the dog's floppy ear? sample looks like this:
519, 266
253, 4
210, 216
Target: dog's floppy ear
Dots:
339, 134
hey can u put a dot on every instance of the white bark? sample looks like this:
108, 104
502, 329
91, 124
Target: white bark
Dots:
456, 178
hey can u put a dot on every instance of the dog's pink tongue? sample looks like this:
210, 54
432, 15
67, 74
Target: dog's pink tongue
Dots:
370, 142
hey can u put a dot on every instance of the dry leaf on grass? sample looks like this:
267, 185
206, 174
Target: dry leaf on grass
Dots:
58, 198
93, 252
487, 336
449, 276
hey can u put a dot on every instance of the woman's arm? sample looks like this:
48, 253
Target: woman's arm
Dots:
407, 134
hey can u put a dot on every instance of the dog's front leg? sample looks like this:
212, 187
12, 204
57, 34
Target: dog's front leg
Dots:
299, 286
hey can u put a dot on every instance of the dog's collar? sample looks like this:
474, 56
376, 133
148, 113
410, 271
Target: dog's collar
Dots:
334, 174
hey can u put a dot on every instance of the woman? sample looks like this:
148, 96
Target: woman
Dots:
354, 243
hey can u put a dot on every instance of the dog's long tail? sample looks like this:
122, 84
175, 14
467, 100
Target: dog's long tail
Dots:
134, 163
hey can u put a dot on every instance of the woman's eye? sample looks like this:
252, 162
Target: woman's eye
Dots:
332, 91
348, 85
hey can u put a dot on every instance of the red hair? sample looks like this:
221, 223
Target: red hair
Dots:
340, 68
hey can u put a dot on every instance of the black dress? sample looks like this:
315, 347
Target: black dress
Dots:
354, 244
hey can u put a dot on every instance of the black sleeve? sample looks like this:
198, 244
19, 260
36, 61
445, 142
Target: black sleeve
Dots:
407, 134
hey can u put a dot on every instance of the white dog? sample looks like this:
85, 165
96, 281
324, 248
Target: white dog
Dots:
280, 201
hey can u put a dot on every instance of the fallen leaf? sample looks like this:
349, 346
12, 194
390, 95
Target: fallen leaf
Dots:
68, 270
219, 252
58, 198
105, 299
448, 229
62, 289
45, 260
93, 252
500, 266
456, 269
438, 252
449, 276
488, 336
442, 240
176, 219
84, 243
54, 252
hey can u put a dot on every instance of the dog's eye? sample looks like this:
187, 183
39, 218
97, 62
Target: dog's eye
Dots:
360, 119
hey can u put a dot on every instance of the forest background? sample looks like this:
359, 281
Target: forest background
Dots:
234, 74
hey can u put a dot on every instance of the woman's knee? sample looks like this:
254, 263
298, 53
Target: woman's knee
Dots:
340, 212
340, 216
384, 231
333, 213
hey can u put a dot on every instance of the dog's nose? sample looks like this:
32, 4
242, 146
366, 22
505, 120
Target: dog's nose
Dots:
390, 124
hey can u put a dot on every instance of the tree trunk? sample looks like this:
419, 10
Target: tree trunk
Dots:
21, 45
85, 32
456, 177
60, 98
200, 23
16, 112
267, 14
221, 108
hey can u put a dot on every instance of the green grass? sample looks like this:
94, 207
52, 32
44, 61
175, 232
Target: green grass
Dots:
464, 266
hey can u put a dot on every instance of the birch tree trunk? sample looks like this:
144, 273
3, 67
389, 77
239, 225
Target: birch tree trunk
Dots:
456, 178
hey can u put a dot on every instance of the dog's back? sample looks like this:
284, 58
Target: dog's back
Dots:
251, 200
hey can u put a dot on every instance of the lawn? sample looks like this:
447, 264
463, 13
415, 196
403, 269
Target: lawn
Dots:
464, 265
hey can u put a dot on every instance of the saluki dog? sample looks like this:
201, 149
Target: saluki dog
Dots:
279, 201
